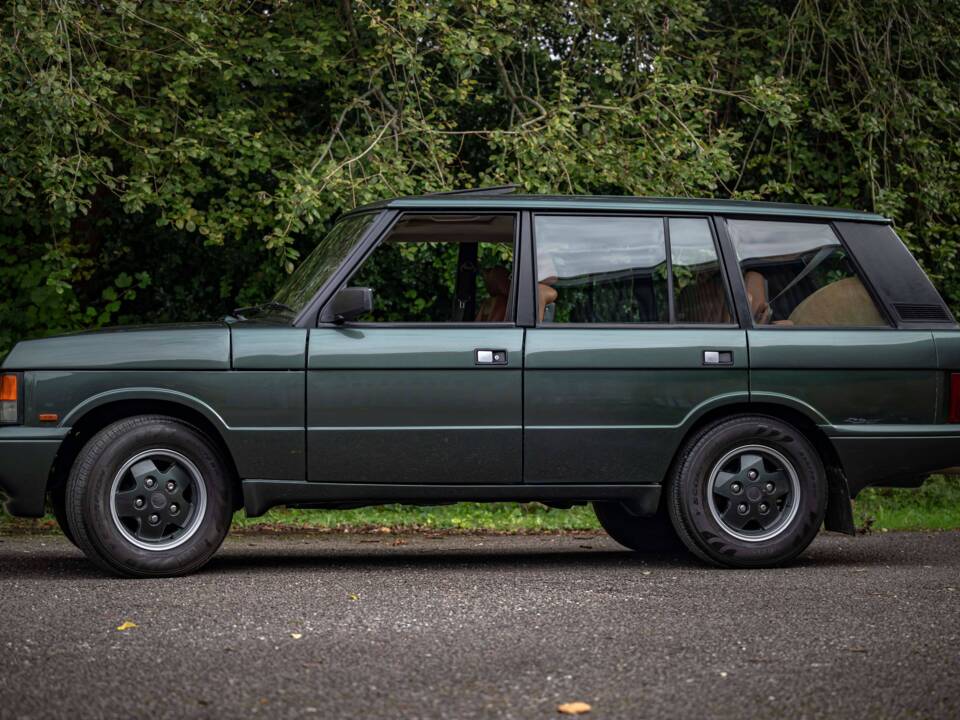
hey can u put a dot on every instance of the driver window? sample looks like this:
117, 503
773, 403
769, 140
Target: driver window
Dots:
799, 275
442, 269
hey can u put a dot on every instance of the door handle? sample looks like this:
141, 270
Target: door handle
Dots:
718, 357
491, 357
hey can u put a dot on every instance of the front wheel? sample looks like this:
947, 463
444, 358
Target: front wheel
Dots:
149, 496
749, 491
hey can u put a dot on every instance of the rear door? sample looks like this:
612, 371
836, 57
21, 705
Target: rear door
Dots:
635, 335
428, 388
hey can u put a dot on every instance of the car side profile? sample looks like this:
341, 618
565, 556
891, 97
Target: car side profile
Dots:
722, 374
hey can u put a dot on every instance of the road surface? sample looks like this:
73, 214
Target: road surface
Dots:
413, 626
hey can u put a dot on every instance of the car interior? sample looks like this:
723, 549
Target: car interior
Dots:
815, 289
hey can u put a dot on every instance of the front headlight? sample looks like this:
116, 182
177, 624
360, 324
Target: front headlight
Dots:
9, 399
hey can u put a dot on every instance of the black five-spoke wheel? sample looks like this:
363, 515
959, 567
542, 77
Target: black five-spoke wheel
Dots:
747, 491
149, 496
753, 492
158, 499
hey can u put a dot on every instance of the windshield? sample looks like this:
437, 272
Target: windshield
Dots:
322, 262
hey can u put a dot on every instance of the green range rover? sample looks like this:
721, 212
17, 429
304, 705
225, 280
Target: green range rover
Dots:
722, 374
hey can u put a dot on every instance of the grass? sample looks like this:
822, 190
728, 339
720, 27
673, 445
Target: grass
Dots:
498, 517
935, 506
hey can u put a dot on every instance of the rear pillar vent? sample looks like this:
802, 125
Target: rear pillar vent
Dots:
919, 312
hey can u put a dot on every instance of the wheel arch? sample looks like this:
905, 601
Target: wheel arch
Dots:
94, 415
839, 510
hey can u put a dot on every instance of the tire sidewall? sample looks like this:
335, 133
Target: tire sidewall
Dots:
92, 485
690, 506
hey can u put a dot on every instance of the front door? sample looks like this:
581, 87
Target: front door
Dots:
635, 336
428, 388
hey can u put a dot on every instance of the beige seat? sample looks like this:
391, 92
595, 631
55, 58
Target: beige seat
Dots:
844, 303
497, 282
703, 301
756, 286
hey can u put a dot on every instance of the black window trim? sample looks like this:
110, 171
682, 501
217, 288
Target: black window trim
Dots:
747, 317
670, 324
370, 242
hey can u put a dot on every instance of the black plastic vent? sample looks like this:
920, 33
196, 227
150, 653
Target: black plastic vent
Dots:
918, 312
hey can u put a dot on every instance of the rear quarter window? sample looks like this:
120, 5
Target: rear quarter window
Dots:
798, 274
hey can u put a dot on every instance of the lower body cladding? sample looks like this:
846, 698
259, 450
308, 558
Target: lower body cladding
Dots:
261, 495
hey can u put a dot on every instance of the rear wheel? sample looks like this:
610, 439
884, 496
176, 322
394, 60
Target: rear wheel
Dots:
749, 491
653, 534
149, 497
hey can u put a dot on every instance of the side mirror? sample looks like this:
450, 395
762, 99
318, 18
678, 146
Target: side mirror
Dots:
348, 304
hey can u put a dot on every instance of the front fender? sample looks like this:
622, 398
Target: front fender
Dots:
141, 394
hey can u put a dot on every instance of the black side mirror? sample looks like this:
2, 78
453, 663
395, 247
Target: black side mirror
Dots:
348, 304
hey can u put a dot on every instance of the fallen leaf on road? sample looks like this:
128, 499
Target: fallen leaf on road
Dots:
385, 530
296, 636
353, 597
398, 541
573, 708
126, 625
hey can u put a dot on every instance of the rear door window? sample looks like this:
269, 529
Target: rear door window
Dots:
618, 270
799, 275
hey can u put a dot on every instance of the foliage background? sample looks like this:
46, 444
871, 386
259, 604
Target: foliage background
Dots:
171, 160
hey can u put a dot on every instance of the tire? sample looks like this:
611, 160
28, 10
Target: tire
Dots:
58, 501
653, 534
722, 481
149, 496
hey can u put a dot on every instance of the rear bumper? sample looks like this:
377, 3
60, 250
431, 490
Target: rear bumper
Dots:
896, 459
26, 457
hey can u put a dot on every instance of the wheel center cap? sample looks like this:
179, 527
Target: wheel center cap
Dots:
753, 494
158, 501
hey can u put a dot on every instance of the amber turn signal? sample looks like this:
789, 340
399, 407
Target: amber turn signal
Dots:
8, 388
9, 400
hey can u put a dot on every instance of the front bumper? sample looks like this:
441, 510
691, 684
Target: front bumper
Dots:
26, 457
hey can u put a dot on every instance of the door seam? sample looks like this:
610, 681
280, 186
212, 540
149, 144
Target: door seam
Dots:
523, 408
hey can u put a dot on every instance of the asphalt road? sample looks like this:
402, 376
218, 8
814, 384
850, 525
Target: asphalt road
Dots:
477, 627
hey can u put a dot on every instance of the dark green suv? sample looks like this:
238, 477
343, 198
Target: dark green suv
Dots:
725, 374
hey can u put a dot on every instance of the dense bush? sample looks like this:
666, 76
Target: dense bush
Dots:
167, 161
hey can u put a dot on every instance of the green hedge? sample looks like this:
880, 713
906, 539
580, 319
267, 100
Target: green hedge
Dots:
167, 161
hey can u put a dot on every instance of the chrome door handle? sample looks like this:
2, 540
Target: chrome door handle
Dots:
718, 357
491, 357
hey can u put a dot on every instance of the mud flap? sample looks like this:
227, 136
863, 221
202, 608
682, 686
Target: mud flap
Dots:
839, 516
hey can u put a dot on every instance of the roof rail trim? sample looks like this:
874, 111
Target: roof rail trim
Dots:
490, 190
